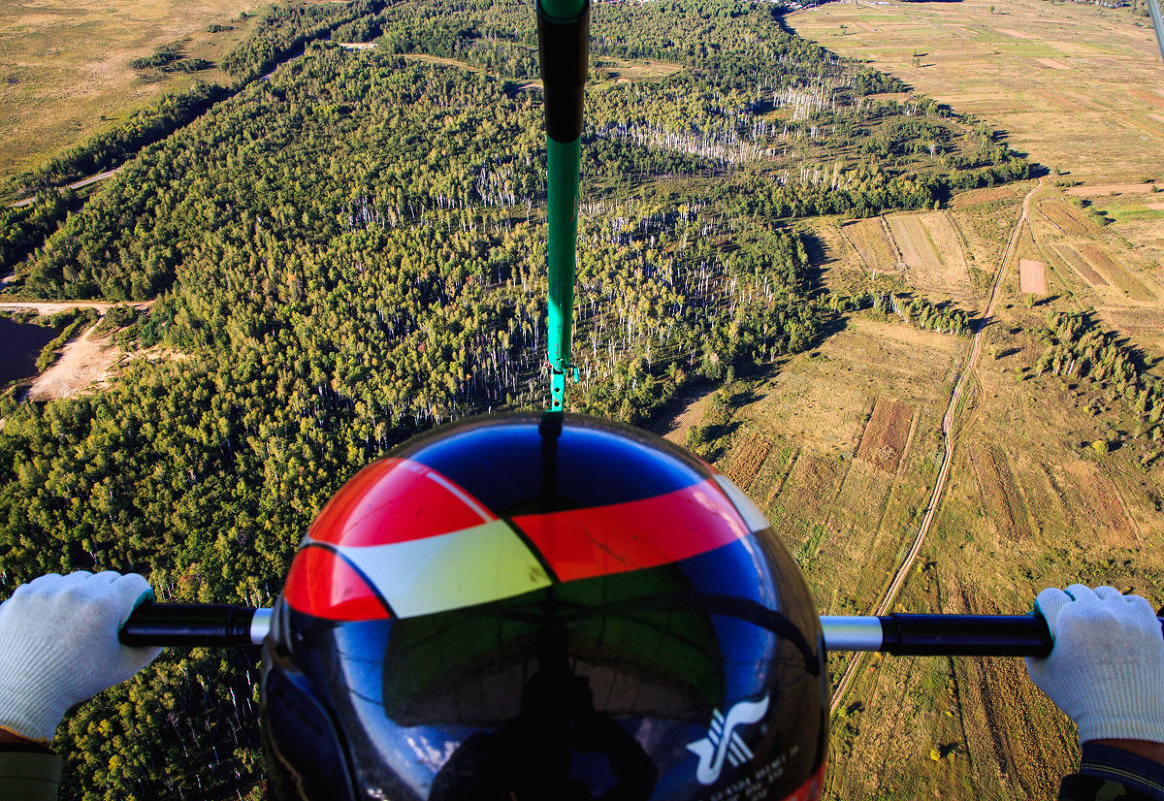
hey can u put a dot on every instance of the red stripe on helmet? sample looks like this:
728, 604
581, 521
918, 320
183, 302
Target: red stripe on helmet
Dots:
396, 500
601, 540
323, 584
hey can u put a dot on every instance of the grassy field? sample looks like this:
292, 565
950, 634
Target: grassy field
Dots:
65, 66
1077, 87
847, 440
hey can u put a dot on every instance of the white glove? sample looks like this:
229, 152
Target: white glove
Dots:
1107, 667
58, 646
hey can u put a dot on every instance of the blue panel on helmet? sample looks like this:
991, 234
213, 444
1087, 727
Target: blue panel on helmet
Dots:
537, 470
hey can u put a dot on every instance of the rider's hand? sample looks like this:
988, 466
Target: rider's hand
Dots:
59, 646
1107, 667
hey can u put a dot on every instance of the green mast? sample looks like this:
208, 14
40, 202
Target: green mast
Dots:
563, 40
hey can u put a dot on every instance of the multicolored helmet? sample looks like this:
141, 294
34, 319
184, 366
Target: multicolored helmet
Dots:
543, 607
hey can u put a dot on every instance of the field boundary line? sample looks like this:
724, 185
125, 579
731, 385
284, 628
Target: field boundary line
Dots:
964, 377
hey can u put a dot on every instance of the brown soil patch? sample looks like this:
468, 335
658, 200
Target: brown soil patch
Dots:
1001, 501
1052, 63
1015, 34
1080, 265
747, 460
84, 364
1113, 189
1119, 276
1032, 277
885, 435
868, 238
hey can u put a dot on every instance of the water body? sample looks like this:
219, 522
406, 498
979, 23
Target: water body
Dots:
19, 347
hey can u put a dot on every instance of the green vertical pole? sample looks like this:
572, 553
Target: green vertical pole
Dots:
563, 38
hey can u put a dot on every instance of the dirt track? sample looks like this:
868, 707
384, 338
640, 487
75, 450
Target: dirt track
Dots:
54, 306
964, 378
92, 179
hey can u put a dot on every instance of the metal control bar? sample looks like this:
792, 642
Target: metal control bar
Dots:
187, 625
190, 625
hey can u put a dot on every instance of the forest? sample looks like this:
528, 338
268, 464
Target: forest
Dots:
354, 250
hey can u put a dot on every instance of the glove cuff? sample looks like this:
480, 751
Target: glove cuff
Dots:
38, 725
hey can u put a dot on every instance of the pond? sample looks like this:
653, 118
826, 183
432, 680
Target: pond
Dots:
19, 347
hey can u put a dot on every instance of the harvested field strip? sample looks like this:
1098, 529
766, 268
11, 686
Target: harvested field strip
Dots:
1053, 63
1001, 501
1032, 277
911, 238
977, 196
1080, 265
883, 440
859, 508
747, 460
868, 238
804, 498
1062, 215
947, 243
1102, 500
1118, 275
1148, 97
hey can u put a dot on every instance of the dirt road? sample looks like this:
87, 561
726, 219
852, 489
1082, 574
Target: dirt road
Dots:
964, 378
92, 179
54, 306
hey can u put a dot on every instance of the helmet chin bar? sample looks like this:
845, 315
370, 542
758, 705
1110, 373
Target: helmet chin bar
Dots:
191, 625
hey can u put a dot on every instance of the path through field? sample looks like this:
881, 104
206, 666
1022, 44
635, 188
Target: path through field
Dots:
887, 600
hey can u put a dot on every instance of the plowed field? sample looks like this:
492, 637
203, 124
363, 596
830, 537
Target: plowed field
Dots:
1032, 277
886, 433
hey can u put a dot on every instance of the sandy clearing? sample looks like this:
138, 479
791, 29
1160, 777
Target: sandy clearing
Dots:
1032, 277
1054, 64
85, 362
1155, 206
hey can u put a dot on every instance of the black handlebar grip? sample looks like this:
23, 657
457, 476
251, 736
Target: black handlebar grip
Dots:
189, 625
563, 47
